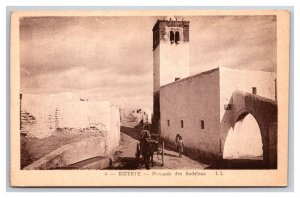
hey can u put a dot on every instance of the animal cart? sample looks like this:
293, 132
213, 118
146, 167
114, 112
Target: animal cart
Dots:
148, 149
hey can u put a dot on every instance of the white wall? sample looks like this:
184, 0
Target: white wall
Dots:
244, 80
170, 61
232, 80
202, 97
192, 99
114, 132
67, 111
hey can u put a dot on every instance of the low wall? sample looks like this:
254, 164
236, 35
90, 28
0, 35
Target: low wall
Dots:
42, 115
71, 153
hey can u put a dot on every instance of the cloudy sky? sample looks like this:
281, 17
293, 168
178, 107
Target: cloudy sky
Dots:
110, 58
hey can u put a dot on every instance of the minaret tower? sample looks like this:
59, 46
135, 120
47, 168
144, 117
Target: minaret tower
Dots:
170, 51
170, 56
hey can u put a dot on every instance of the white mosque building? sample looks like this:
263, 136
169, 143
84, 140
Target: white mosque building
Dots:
205, 108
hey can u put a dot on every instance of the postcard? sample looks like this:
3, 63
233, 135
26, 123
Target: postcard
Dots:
177, 98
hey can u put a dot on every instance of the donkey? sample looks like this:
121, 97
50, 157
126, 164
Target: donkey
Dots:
147, 149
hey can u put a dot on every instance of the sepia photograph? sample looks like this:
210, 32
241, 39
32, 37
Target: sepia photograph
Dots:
149, 96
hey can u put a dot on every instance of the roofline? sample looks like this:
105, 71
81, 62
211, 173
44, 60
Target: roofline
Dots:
249, 70
193, 76
211, 71
159, 20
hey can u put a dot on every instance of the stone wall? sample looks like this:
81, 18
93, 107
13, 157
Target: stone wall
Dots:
28, 121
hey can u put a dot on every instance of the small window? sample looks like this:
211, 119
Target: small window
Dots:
254, 90
168, 121
202, 124
177, 37
172, 37
181, 123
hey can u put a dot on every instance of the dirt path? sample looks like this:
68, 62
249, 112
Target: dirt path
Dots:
126, 157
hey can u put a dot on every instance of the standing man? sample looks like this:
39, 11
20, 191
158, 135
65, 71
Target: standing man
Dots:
145, 145
179, 144
145, 134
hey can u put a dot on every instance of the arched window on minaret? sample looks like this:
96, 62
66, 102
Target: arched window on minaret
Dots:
177, 37
172, 36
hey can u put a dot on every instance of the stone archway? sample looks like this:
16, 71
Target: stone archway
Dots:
264, 112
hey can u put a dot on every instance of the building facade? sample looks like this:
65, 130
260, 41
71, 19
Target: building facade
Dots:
197, 107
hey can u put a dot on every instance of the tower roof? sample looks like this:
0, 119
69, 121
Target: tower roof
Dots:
171, 21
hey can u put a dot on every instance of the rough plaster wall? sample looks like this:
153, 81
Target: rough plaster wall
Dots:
63, 111
192, 100
43, 109
28, 122
174, 61
82, 114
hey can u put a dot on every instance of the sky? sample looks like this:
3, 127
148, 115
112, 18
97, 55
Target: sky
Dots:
110, 58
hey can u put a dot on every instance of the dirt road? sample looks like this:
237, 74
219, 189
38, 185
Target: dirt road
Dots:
126, 157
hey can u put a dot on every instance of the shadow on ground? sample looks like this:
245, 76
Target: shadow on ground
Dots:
125, 163
171, 155
238, 164
132, 132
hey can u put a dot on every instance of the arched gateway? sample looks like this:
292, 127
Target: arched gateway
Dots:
261, 111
